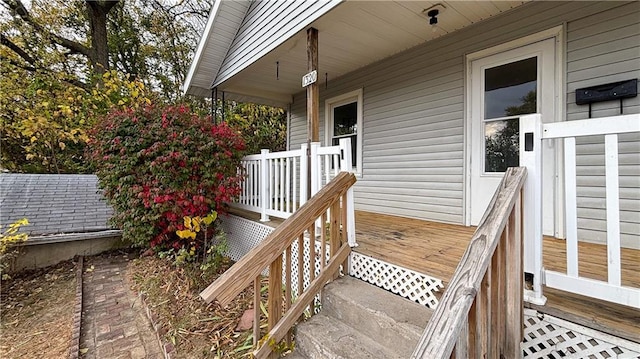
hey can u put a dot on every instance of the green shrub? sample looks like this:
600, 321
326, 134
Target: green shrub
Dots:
158, 165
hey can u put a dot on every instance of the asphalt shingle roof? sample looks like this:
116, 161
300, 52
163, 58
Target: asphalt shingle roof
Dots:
53, 204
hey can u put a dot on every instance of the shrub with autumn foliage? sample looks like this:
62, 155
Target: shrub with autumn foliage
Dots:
159, 166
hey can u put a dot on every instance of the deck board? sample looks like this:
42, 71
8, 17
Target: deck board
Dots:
426, 247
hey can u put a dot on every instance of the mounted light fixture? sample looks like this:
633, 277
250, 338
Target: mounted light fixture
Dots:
432, 14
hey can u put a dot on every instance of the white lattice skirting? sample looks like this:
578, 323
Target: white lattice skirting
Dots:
553, 338
401, 281
242, 235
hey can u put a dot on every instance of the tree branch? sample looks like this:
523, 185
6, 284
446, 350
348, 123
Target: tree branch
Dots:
17, 7
17, 49
17, 64
34, 69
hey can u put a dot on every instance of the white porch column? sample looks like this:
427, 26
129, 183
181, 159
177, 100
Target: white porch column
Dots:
531, 158
346, 165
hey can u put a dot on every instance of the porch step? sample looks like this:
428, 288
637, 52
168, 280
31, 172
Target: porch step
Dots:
359, 320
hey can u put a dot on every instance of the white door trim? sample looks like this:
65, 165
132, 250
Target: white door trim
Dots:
557, 33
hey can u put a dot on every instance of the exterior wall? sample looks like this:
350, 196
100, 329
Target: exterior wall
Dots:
44, 254
266, 25
414, 109
601, 49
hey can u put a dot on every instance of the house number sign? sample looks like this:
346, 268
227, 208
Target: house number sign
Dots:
309, 78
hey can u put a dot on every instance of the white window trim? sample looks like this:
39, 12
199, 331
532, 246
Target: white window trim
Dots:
341, 100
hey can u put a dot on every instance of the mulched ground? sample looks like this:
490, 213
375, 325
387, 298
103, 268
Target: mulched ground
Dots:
197, 329
36, 312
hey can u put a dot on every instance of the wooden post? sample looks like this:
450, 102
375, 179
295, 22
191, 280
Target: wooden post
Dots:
313, 96
256, 309
313, 113
274, 305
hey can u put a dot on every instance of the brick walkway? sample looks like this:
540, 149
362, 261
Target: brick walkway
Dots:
114, 324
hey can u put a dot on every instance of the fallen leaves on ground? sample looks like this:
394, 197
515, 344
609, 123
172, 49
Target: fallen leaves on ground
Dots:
197, 329
37, 312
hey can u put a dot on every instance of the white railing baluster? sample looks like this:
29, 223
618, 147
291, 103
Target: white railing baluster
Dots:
571, 210
255, 199
264, 194
288, 186
316, 170
283, 187
327, 169
294, 185
613, 208
275, 200
304, 173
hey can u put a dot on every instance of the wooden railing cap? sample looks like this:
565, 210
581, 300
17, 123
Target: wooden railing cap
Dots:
243, 272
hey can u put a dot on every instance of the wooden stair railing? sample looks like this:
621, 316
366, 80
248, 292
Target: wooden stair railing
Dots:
282, 315
481, 312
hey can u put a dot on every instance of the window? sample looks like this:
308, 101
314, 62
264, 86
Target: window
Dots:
343, 116
510, 90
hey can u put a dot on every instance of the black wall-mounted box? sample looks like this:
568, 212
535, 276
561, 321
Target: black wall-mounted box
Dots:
607, 92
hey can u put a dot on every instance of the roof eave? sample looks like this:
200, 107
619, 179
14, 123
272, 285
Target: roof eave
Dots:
224, 14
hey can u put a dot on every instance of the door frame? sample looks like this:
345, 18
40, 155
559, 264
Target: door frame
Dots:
558, 34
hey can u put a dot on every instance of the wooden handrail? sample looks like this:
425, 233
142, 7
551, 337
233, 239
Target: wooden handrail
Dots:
275, 253
480, 314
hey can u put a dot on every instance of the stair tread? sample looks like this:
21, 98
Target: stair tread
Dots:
381, 302
294, 355
332, 338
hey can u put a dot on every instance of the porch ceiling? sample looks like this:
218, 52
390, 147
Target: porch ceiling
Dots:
353, 35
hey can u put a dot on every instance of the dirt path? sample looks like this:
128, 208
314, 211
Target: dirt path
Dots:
113, 320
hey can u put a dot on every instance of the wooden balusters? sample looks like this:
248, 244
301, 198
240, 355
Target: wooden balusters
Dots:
480, 314
275, 253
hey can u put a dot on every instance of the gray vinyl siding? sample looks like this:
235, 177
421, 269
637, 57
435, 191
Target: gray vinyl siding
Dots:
414, 109
601, 49
267, 25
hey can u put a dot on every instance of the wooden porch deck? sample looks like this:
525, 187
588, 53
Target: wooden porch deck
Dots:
436, 248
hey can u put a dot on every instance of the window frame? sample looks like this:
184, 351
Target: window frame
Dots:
346, 98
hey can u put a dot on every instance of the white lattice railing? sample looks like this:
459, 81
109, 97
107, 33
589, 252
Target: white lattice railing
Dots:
532, 134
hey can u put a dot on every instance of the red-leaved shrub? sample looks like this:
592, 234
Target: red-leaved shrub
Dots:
157, 165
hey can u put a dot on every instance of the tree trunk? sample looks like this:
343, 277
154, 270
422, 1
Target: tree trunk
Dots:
97, 11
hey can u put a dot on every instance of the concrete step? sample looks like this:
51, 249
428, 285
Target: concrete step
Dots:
294, 355
359, 320
323, 337
388, 319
